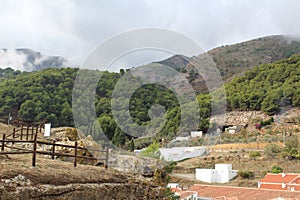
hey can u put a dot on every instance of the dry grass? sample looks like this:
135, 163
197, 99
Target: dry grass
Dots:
5, 129
56, 172
240, 146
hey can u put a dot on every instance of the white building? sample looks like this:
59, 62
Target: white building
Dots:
222, 173
196, 134
173, 185
181, 153
181, 138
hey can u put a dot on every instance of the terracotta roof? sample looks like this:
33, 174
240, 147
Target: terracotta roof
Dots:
185, 194
279, 178
277, 186
275, 181
297, 180
175, 189
242, 193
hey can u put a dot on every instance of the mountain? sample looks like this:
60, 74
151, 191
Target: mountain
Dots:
234, 60
30, 60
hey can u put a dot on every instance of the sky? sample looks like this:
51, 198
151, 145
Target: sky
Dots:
73, 28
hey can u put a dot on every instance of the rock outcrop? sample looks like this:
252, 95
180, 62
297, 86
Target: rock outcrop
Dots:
19, 188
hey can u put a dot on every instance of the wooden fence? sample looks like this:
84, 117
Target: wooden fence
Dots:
5, 144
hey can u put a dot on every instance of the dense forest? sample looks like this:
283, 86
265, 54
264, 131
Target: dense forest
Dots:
267, 87
48, 94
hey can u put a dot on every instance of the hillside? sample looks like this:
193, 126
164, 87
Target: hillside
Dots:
47, 94
37, 95
234, 60
54, 179
267, 87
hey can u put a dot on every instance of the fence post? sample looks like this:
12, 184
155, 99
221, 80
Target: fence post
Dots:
27, 132
53, 149
75, 159
37, 130
34, 151
3, 142
32, 131
21, 131
14, 135
106, 157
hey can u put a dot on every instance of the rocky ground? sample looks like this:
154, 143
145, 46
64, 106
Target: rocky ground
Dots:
128, 176
54, 179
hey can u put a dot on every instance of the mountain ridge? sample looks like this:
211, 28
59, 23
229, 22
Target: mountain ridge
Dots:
25, 59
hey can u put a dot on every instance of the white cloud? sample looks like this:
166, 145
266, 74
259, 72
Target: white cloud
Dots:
73, 28
11, 58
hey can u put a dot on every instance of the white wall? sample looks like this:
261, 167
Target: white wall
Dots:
223, 166
180, 138
195, 134
172, 185
222, 173
205, 175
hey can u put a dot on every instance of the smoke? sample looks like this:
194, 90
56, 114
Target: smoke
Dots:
15, 60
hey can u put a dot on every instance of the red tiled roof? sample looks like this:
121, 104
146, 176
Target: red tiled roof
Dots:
185, 194
175, 189
242, 193
275, 181
272, 186
279, 178
297, 180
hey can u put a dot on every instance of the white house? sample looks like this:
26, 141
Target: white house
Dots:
180, 153
195, 134
222, 173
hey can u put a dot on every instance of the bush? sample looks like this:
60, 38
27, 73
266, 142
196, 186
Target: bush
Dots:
276, 170
291, 150
254, 154
267, 122
272, 150
152, 151
246, 174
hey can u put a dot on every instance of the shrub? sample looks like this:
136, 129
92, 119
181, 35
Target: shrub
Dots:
246, 174
151, 151
272, 150
254, 154
276, 170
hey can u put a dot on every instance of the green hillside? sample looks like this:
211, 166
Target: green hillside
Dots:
266, 87
47, 94
234, 60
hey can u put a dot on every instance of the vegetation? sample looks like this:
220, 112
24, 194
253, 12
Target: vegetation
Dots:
47, 94
254, 154
272, 150
152, 151
246, 174
276, 170
276, 85
291, 149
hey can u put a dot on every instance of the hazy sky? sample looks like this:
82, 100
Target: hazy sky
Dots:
73, 28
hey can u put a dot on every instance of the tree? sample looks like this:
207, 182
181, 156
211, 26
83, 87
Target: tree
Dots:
291, 150
131, 145
119, 137
27, 110
254, 154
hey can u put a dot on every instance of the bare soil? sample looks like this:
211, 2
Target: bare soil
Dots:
55, 172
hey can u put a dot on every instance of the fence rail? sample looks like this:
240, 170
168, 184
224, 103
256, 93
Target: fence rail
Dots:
5, 144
